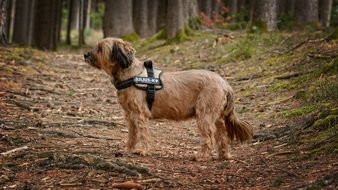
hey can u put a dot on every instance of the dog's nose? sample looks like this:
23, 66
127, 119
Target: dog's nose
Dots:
86, 55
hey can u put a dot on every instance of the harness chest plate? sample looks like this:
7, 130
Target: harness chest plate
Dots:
149, 80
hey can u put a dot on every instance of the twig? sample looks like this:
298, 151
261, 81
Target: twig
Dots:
280, 153
153, 180
97, 137
17, 93
287, 76
45, 90
127, 185
7, 153
20, 104
282, 100
328, 37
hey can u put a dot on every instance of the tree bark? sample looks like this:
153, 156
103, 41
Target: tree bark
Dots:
118, 18
215, 5
140, 17
265, 14
161, 15
325, 7
88, 9
3, 23
9, 10
69, 22
45, 33
59, 19
206, 7
306, 11
153, 8
81, 22
233, 6
75, 14
175, 18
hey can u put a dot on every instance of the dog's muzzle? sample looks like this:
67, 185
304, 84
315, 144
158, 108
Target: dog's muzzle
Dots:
89, 58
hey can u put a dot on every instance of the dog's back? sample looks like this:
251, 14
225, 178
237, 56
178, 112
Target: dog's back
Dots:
186, 91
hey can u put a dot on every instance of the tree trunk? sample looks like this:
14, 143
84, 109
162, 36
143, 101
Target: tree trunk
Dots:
69, 24
45, 33
153, 8
206, 7
306, 11
325, 7
161, 15
140, 17
81, 22
3, 23
21, 23
118, 18
233, 6
75, 14
265, 14
175, 18
88, 9
215, 4
59, 20
291, 7
9, 10
190, 9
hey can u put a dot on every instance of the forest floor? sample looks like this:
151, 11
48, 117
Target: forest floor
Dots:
61, 126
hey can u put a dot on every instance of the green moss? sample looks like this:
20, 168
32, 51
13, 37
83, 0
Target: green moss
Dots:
325, 142
257, 27
180, 37
278, 181
133, 37
299, 111
195, 23
326, 122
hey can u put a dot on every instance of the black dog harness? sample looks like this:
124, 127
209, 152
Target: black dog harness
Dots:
148, 83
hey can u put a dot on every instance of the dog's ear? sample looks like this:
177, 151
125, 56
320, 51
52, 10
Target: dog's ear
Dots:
123, 57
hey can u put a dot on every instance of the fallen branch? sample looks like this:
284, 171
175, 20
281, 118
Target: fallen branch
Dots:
52, 91
17, 93
327, 38
280, 153
20, 104
282, 100
153, 180
127, 185
288, 76
8, 153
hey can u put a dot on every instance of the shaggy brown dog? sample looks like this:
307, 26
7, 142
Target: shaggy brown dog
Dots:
201, 94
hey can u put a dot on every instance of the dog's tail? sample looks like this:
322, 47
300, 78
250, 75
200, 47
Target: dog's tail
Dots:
241, 130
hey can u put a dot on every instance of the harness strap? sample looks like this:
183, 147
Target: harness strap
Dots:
124, 84
150, 81
151, 87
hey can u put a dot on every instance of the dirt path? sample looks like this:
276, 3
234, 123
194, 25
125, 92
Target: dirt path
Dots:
71, 131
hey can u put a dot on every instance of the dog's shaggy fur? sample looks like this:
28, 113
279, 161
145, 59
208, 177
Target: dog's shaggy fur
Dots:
201, 94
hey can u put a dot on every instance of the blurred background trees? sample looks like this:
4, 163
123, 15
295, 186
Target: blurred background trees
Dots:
47, 24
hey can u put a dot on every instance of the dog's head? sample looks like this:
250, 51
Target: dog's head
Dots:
111, 55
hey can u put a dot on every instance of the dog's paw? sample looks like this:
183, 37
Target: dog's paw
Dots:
224, 156
139, 152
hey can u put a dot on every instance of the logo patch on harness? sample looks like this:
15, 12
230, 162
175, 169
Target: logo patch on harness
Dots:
147, 80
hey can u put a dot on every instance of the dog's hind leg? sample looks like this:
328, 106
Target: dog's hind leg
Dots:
222, 139
205, 124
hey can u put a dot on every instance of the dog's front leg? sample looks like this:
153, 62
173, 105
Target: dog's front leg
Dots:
132, 135
138, 132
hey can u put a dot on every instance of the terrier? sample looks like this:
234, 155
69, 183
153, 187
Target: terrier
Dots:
199, 94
